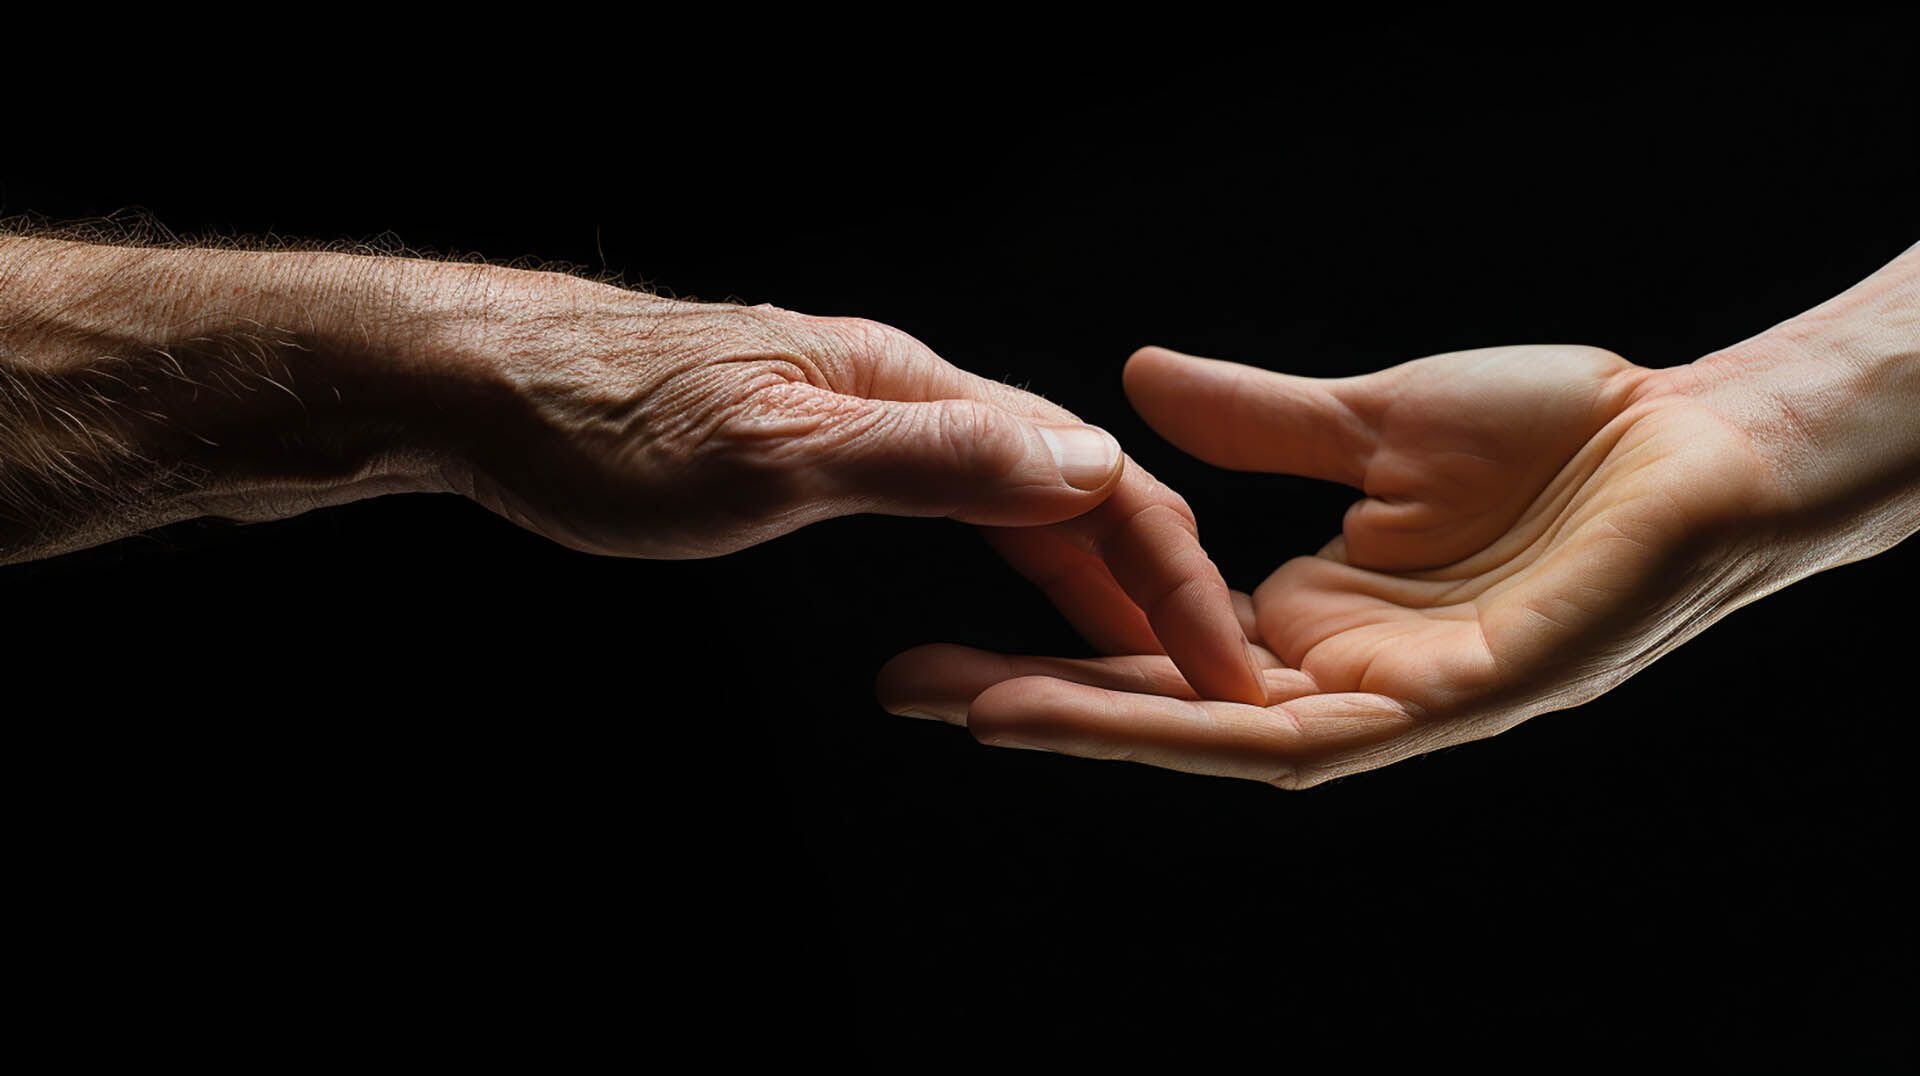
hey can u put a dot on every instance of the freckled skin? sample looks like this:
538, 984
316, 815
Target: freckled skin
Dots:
1536, 525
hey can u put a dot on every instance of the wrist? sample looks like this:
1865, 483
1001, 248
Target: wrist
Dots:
1830, 403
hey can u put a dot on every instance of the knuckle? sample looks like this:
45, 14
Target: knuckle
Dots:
853, 350
978, 440
868, 336
1148, 519
1178, 505
1156, 601
1158, 494
870, 339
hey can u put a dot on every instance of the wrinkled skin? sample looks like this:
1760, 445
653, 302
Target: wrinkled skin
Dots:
642, 427
1538, 524
143, 387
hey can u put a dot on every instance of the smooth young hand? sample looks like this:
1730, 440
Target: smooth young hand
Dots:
1539, 523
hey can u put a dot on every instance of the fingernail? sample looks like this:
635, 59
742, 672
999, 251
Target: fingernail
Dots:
1086, 455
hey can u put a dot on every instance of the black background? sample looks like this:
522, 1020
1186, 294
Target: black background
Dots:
397, 780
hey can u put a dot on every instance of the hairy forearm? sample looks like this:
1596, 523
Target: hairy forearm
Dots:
140, 387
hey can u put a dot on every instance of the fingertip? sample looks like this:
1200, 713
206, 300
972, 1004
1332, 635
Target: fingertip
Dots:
1213, 648
1229, 673
1256, 677
1154, 353
937, 681
1238, 681
889, 684
900, 685
1177, 394
1142, 366
1146, 354
1009, 714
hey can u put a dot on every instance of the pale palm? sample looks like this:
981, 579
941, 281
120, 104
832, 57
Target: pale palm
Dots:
1540, 523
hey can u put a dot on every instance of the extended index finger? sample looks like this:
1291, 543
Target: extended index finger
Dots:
1144, 532
1146, 536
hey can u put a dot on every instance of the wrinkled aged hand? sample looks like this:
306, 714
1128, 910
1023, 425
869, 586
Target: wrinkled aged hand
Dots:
640, 426
140, 387
1538, 524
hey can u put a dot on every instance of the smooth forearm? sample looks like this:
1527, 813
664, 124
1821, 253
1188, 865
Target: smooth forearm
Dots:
1831, 401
